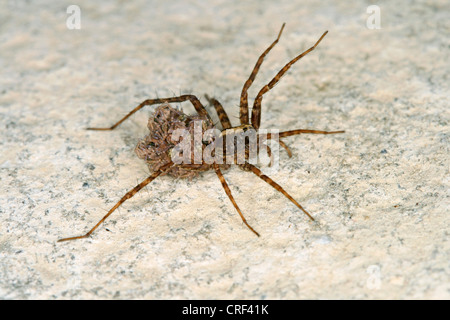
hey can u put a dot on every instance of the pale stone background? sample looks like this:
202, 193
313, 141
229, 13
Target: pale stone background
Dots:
380, 192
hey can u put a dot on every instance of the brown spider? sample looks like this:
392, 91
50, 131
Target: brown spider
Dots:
158, 146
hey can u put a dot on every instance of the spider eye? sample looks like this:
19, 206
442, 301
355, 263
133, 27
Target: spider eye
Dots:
152, 144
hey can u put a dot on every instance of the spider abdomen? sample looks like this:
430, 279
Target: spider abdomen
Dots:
168, 127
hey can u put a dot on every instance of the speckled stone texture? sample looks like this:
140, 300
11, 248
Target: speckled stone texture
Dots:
379, 192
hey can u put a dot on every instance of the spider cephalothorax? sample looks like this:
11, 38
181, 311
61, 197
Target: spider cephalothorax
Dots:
169, 128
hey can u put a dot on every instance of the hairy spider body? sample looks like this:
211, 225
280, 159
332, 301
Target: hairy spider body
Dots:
157, 146
162, 143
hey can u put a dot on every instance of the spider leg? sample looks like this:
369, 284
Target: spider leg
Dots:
285, 147
127, 196
256, 111
223, 117
256, 171
243, 114
295, 132
269, 150
228, 192
269, 153
193, 99
300, 131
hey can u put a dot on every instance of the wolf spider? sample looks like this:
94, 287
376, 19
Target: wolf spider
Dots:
156, 147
